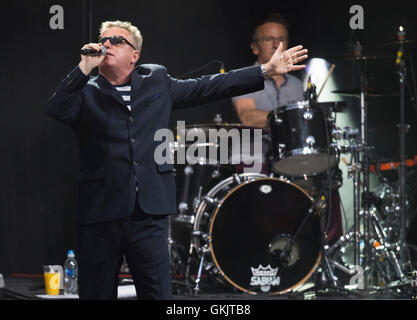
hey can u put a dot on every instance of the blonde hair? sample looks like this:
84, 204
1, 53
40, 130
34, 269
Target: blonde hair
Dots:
134, 32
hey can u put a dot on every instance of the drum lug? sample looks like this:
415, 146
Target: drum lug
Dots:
308, 115
188, 219
204, 236
278, 121
321, 205
197, 233
236, 178
205, 249
215, 174
211, 267
311, 141
337, 133
211, 201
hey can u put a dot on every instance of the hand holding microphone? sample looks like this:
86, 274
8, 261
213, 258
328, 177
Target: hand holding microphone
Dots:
92, 55
93, 52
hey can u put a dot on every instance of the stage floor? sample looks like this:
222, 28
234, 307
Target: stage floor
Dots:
25, 287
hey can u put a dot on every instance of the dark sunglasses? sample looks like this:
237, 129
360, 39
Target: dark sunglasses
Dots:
116, 40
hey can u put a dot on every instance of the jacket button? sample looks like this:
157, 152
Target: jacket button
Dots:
133, 140
131, 119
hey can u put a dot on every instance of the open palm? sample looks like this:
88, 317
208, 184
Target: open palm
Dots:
286, 61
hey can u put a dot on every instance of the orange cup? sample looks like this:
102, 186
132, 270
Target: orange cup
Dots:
53, 275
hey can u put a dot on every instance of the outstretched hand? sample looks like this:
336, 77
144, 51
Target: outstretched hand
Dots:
286, 61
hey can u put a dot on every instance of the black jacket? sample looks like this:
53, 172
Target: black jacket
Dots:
116, 143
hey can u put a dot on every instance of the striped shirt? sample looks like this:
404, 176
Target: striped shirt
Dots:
125, 91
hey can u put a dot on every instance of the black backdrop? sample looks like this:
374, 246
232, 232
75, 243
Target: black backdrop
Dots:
39, 157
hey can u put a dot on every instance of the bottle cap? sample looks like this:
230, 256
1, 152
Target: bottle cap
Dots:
71, 253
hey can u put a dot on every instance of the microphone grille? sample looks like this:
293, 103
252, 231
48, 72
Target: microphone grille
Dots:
103, 50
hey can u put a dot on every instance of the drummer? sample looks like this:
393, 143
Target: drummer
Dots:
252, 109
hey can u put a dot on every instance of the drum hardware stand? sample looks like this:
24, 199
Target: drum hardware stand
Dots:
326, 277
203, 251
183, 205
327, 280
361, 166
402, 74
362, 65
210, 201
380, 243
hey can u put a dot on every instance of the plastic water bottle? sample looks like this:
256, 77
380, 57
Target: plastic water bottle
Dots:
70, 274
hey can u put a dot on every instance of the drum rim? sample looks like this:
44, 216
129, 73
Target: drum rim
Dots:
209, 233
295, 105
331, 157
308, 151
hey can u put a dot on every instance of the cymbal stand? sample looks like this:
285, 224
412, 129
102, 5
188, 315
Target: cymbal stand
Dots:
402, 74
380, 249
364, 168
354, 171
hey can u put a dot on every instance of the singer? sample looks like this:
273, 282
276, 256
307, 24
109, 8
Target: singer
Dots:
124, 197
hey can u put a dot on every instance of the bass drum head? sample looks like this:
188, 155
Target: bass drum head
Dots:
250, 229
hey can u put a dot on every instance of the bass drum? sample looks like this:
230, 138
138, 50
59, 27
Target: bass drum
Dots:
245, 226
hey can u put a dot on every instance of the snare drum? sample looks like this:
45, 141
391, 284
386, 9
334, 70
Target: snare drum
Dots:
301, 140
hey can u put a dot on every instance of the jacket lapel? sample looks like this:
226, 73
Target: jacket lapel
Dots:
137, 97
135, 81
108, 89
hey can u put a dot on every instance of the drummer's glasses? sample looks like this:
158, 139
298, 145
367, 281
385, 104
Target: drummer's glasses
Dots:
271, 40
116, 40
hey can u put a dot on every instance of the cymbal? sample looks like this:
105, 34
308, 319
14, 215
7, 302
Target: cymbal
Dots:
221, 125
371, 92
350, 57
337, 106
413, 41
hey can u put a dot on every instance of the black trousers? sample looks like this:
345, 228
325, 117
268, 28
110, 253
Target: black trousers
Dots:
142, 239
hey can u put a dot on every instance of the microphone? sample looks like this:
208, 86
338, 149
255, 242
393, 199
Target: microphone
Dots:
93, 52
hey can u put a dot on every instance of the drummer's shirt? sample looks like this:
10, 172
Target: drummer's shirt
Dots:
271, 97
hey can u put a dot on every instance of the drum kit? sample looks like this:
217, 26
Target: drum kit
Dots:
266, 232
